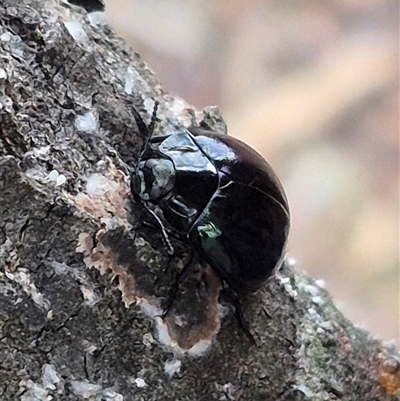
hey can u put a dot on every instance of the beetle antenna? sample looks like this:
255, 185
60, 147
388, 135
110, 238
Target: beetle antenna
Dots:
150, 129
139, 122
145, 130
153, 119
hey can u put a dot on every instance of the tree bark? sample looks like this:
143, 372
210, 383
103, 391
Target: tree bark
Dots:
68, 142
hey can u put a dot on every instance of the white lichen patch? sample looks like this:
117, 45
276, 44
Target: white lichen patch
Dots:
110, 395
305, 390
9, 255
134, 82
195, 346
6, 104
87, 122
56, 178
177, 106
41, 151
140, 382
98, 185
50, 378
91, 391
33, 392
97, 19
104, 197
150, 309
23, 278
85, 389
75, 29
200, 348
230, 392
285, 281
89, 295
37, 174
3, 73
78, 275
40, 179
51, 382
89, 347
60, 268
148, 340
173, 366
164, 337
313, 290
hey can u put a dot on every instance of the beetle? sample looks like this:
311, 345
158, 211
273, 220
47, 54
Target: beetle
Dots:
219, 196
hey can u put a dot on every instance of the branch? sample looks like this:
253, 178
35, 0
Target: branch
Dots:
68, 141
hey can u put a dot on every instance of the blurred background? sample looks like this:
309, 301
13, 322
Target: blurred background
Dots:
314, 87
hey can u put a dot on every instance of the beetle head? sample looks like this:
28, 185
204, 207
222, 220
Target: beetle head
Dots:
153, 180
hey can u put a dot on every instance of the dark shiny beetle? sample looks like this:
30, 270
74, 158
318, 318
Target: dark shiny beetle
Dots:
219, 195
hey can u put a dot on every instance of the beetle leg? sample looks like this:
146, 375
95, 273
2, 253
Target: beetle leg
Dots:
150, 130
170, 234
182, 275
239, 313
144, 129
243, 322
170, 248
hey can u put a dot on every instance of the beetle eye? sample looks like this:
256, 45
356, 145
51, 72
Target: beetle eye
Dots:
138, 183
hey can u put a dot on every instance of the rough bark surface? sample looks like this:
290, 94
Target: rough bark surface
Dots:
68, 141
